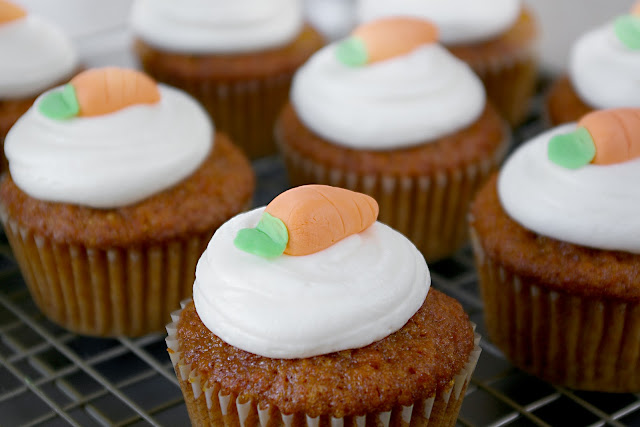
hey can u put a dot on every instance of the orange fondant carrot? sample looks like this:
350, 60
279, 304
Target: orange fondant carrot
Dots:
635, 10
10, 12
615, 133
100, 91
308, 219
105, 90
603, 137
384, 39
317, 216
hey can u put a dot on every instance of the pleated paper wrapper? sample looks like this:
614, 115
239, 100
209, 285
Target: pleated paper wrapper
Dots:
106, 291
570, 340
510, 73
246, 110
209, 405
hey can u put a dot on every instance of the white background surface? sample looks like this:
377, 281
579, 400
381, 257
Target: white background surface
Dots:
99, 27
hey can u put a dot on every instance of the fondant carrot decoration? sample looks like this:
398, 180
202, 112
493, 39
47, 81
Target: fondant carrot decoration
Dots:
627, 28
100, 91
10, 12
384, 39
308, 219
603, 137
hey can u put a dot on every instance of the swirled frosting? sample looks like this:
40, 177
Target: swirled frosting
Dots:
349, 295
604, 72
35, 56
594, 206
222, 26
112, 160
400, 102
459, 21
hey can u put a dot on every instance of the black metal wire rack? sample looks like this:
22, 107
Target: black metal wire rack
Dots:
51, 377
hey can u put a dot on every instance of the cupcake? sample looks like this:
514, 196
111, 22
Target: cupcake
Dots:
556, 240
391, 113
236, 58
496, 38
603, 72
309, 312
36, 56
116, 185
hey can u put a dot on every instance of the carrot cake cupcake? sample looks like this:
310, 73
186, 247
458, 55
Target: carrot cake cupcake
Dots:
496, 38
309, 312
603, 71
557, 242
36, 56
391, 113
116, 185
235, 57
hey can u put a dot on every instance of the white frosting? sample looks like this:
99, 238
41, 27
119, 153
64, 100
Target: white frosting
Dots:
112, 160
594, 206
217, 26
604, 72
403, 101
35, 56
459, 21
349, 295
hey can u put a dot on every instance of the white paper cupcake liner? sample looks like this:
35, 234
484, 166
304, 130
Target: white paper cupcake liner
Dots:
246, 110
579, 342
431, 210
106, 291
209, 405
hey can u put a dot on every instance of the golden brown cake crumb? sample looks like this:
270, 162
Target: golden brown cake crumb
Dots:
553, 264
410, 364
166, 66
450, 152
220, 188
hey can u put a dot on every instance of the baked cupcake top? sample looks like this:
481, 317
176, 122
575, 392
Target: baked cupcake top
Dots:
605, 63
578, 183
109, 138
389, 85
459, 21
363, 282
35, 53
217, 26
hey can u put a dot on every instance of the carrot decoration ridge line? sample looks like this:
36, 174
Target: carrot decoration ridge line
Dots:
98, 92
384, 39
306, 220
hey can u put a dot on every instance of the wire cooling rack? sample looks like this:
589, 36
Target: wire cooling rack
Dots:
51, 377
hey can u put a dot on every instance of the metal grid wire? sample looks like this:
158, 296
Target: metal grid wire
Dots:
51, 377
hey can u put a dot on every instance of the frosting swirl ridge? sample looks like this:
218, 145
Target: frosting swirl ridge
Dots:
459, 21
349, 295
594, 206
404, 101
35, 55
604, 72
205, 26
112, 160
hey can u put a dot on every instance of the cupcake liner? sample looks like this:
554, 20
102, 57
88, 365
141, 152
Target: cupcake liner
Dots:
510, 82
431, 210
209, 405
110, 291
579, 342
246, 110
